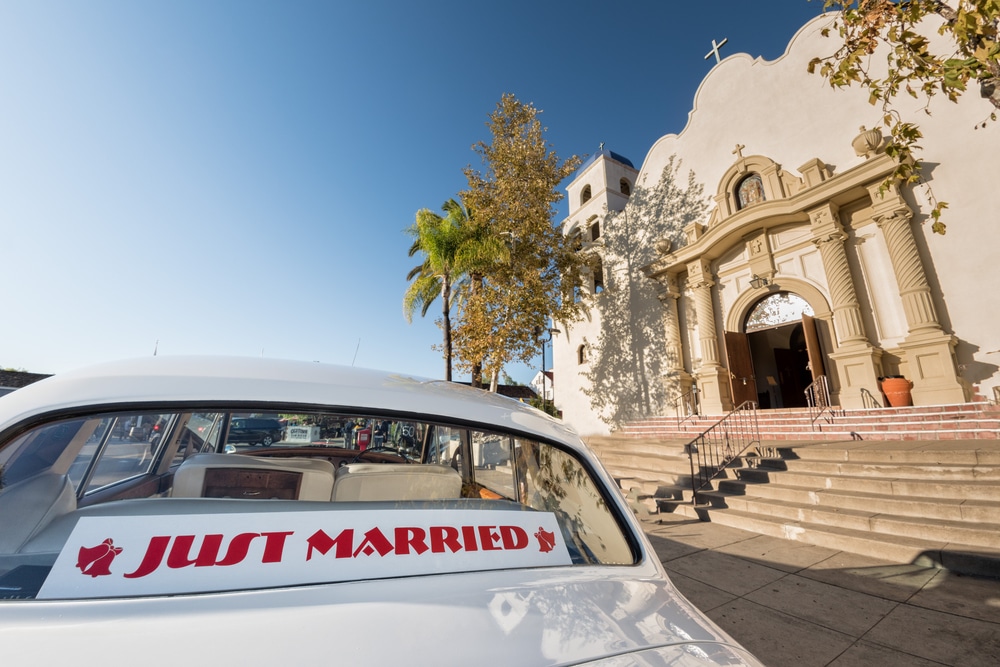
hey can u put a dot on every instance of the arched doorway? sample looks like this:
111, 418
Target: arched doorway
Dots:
777, 354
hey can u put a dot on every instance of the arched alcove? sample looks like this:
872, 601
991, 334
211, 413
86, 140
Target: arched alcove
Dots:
750, 191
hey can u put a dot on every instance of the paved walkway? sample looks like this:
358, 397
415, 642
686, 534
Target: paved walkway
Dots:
800, 605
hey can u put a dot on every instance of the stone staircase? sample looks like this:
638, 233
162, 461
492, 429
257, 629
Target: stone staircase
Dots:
930, 422
905, 499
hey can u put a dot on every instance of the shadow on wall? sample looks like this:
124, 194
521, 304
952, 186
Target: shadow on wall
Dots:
629, 357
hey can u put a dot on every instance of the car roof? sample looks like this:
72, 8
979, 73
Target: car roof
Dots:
192, 379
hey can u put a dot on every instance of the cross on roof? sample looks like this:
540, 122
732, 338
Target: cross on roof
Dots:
715, 50
738, 151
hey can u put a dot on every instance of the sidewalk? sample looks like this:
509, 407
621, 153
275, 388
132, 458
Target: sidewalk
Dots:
795, 604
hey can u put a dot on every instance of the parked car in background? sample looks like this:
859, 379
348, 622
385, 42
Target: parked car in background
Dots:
187, 547
255, 430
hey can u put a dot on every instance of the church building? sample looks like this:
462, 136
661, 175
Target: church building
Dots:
756, 255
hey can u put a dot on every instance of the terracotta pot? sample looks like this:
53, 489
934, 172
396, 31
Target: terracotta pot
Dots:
897, 391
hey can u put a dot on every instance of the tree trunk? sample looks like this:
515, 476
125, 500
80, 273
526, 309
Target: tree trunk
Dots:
446, 325
477, 368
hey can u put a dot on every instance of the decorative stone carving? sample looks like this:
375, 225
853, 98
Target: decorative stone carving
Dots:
693, 232
867, 143
829, 237
700, 281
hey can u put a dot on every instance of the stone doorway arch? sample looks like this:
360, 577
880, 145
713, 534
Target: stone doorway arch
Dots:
774, 349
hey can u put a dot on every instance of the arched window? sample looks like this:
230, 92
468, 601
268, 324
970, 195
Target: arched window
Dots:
598, 276
585, 195
777, 309
750, 191
595, 229
581, 354
625, 187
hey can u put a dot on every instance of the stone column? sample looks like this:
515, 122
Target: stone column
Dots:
677, 382
856, 361
712, 378
828, 236
927, 352
910, 276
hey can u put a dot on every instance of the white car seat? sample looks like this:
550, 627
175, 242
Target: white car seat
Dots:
396, 481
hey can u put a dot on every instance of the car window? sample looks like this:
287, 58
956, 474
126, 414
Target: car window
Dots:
124, 447
98, 470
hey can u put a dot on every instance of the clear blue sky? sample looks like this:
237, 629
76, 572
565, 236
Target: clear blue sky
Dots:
234, 177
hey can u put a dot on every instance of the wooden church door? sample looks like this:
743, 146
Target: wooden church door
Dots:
742, 381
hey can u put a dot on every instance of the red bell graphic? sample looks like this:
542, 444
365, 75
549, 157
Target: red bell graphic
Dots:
96, 561
546, 540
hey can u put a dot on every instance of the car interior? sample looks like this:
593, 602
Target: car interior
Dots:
184, 462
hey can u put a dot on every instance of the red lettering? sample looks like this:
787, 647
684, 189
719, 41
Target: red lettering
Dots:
238, 549
469, 538
513, 537
445, 536
374, 541
180, 552
274, 546
322, 543
154, 556
488, 538
410, 537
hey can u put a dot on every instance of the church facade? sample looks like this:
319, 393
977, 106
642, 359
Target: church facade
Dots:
756, 255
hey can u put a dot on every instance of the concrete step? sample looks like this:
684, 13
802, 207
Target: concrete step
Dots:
937, 502
887, 470
971, 490
951, 422
651, 488
866, 434
952, 509
652, 462
946, 554
985, 452
657, 446
985, 535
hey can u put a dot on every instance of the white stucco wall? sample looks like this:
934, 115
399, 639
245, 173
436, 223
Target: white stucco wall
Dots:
778, 110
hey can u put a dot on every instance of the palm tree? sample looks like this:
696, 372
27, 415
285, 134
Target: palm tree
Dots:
443, 242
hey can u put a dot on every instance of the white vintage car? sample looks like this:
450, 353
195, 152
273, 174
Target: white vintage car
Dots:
471, 529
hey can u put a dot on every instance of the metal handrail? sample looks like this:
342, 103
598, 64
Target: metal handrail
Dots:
689, 400
719, 445
818, 400
868, 400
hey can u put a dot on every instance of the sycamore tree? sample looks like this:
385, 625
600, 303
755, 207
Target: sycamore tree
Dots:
914, 65
514, 196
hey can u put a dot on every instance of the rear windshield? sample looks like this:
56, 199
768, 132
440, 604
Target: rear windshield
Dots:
148, 502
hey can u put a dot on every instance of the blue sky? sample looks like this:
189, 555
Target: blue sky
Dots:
234, 177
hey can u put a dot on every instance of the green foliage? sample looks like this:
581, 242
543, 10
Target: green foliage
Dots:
547, 407
534, 278
452, 248
893, 27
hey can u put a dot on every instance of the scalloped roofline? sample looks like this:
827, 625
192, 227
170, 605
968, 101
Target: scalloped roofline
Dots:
812, 26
